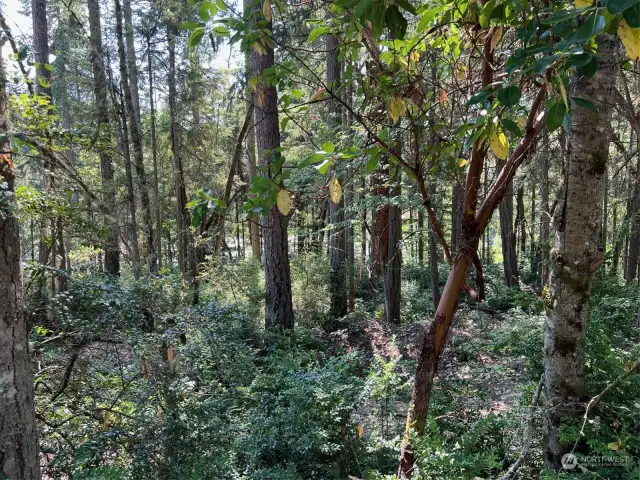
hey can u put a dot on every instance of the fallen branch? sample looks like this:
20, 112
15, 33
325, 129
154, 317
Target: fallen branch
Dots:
528, 430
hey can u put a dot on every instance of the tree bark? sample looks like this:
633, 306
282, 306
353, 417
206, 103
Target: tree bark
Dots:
136, 144
420, 238
338, 289
577, 222
254, 227
131, 58
507, 235
393, 269
545, 214
154, 153
631, 270
111, 251
277, 273
19, 457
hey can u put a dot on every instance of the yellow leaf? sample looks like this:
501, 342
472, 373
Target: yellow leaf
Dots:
107, 420
630, 39
613, 446
284, 202
563, 92
461, 162
359, 36
266, 9
499, 144
522, 122
360, 430
319, 95
397, 107
335, 190
261, 98
257, 46
583, 3
496, 37
461, 71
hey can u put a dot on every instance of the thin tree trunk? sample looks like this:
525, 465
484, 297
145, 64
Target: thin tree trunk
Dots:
533, 252
19, 457
577, 221
433, 261
545, 214
632, 256
277, 274
509, 260
182, 213
112, 251
154, 153
420, 238
136, 143
521, 222
393, 270
131, 58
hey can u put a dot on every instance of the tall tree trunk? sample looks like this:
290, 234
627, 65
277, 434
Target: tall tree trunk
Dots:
393, 269
420, 238
545, 213
154, 153
254, 227
380, 220
136, 144
131, 196
521, 222
338, 237
182, 213
131, 58
533, 252
456, 214
507, 235
111, 251
577, 221
631, 270
277, 273
19, 457
433, 261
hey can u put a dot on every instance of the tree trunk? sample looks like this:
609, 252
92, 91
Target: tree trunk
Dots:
456, 204
521, 222
338, 289
380, 220
254, 227
131, 58
507, 235
182, 213
393, 269
277, 274
136, 143
19, 457
545, 214
433, 261
631, 270
577, 221
154, 153
420, 238
111, 251
533, 252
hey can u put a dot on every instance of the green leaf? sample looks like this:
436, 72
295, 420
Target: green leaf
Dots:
619, 6
632, 16
221, 31
361, 8
316, 32
396, 23
324, 166
511, 126
585, 103
590, 28
328, 147
196, 37
555, 114
509, 96
372, 163
410, 8
542, 64
481, 96
579, 59
589, 69
562, 16
190, 25
313, 159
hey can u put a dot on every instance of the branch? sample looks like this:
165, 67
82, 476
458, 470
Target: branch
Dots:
14, 47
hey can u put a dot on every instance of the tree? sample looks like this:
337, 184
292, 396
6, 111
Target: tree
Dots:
578, 251
19, 457
135, 136
112, 251
277, 273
